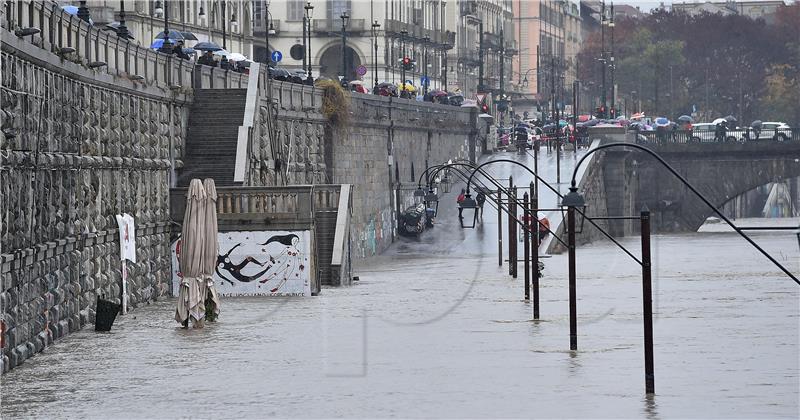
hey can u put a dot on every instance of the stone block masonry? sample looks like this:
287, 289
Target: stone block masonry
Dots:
78, 148
382, 151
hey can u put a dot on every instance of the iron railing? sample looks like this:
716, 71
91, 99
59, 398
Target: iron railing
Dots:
714, 136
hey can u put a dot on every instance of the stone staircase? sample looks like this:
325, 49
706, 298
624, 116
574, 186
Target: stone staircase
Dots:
211, 139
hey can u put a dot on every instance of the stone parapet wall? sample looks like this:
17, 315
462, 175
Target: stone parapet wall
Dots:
382, 151
78, 148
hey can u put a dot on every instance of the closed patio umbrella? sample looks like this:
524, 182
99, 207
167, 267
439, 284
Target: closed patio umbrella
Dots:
210, 248
190, 295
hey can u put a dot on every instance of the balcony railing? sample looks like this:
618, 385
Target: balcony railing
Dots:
335, 25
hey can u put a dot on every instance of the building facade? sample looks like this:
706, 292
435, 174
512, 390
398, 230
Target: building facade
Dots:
549, 33
751, 9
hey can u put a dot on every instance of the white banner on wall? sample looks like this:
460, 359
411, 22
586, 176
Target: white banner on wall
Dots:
269, 263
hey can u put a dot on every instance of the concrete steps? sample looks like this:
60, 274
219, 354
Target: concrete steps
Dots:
212, 135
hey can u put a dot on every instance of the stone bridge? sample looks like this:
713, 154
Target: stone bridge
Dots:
621, 181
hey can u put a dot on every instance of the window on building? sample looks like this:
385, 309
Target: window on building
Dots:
294, 10
337, 7
258, 9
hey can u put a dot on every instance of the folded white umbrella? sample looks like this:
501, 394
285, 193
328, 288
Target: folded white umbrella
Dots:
211, 244
190, 295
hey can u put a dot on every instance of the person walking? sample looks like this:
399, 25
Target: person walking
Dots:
480, 198
460, 200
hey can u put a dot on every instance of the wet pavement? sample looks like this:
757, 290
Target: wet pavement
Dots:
434, 328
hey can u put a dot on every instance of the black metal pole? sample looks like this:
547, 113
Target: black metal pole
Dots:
305, 55
344, 47
165, 47
499, 228
480, 57
122, 30
535, 249
511, 237
375, 27
83, 12
647, 304
526, 247
224, 27
403, 63
603, 55
573, 311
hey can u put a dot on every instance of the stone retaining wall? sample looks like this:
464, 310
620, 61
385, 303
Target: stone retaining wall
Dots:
77, 149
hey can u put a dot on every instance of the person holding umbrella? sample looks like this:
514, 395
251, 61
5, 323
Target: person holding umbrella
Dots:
207, 59
178, 50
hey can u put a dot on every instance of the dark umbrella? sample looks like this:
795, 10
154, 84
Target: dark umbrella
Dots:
207, 46
188, 36
685, 118
175, 35
591, 123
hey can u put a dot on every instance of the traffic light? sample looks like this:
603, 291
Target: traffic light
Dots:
601, 111
407, 64
484, 108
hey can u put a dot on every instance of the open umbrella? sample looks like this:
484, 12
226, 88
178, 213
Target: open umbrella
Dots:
190, 256
756, 124
158, 43
210, 250
408, 87
662, 122
584, 118
188, 36
730, 119
173, 34
718, 121
685, 118
222, 53
207, 46
236, 57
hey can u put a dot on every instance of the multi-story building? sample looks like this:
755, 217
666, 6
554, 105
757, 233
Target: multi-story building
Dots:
485, 43
375, 36
549, 40
225, 22
752, 9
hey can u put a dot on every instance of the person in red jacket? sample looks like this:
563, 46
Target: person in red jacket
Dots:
459, 200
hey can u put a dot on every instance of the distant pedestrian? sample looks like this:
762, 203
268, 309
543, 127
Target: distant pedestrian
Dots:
208, 59
178, 50
224, 64
460, 200
480, 198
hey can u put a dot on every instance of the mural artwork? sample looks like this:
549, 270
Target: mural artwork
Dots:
274, 263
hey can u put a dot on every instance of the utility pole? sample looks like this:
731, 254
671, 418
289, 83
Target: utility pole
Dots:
613, 66
603, 55
480, 56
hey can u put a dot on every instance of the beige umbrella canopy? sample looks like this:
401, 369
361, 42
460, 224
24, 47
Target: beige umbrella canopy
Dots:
191, 295
211, 246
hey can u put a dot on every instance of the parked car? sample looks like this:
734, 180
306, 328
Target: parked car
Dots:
771, 130
707, 132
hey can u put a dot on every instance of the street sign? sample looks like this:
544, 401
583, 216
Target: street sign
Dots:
361, 70
424, 81
480, 97
277, 56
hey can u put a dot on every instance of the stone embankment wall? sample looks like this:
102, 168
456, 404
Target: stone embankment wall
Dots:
78, 147
381, 151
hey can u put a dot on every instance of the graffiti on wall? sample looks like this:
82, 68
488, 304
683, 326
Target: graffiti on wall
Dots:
271, 263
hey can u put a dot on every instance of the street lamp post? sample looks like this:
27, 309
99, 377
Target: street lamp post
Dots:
307, 18
224, 27
345, 17
613, 66
375, 27
269, 30
425, 42
166, 47
480, 57
122, 30
403, 34
83, 12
